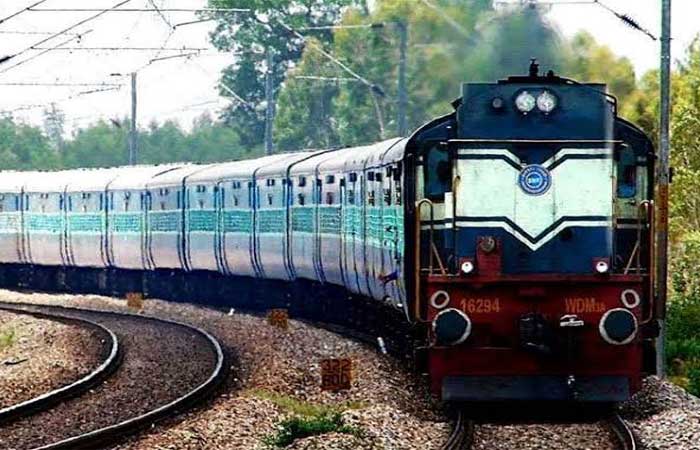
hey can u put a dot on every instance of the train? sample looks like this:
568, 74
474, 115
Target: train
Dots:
513, 237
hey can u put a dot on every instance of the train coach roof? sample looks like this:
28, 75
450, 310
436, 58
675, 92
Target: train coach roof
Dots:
136, 178
310, 165
13, 181
90, 180
176, 176
241, 169
44, 182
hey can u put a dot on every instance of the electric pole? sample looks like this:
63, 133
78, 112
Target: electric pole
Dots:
663, 182
133, 137
402, 104
270, 102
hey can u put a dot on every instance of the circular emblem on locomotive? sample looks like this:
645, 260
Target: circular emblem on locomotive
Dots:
535, 180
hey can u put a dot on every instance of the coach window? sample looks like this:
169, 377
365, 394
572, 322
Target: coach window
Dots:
329, 198
626, 173
437, 171
301, 200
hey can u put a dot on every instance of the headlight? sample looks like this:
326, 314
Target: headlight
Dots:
602, 267
451, 327
525, 102
618, 327
546, 102
467, 267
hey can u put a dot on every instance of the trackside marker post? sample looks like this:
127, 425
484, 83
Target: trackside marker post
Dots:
134, 301
278, 318
336, 374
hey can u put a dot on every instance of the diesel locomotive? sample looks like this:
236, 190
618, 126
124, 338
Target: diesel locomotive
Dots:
515, 236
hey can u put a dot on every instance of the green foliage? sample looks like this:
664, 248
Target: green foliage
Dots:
293, 406
23, 147
307, 419
250, 35
301, 427
694, 380
7, 339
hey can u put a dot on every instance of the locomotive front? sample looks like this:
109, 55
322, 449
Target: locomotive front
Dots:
533, 275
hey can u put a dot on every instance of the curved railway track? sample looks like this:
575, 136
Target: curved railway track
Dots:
44, 401
626, 438
167, 366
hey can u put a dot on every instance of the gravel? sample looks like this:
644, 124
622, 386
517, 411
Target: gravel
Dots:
390, 405
160, 363
39, 355
387, 402
664, 416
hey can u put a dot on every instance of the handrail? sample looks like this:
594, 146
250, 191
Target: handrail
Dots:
417, 259
648, 206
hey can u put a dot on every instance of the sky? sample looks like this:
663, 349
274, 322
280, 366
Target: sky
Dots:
184, 88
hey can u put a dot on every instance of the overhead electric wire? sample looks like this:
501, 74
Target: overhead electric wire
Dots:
446, 17
22, 11
70, 28
58, 84
626, 19
35, 56
116, 49
184, 55
319, 48
160, 13
180, 10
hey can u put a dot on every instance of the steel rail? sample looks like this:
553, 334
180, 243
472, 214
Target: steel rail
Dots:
117, 432
462, 436
625, 436
44, 401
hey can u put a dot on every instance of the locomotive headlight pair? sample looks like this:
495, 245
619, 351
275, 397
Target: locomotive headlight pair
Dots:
545, 102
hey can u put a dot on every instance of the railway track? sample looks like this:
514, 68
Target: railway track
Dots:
626, 438
44, 401
462, 435
166, 367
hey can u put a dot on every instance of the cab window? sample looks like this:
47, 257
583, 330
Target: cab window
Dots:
627, 173
437, 173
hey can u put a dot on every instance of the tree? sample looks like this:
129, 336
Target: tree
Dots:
592, 62
102, 144
23, 147
248, 36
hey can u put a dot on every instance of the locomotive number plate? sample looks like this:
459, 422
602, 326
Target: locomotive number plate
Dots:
481, 305
582, 305
336, 374
278, 318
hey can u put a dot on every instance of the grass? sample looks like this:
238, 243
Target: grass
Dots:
307, 419
7, 339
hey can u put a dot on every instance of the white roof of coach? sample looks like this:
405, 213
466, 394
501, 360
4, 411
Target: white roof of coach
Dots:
137, 177
175, 177
309, 166
12, 181
46, 182
242, 169
90, 180
279, 167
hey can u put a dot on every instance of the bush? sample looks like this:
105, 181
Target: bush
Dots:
301, 427
694, 379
